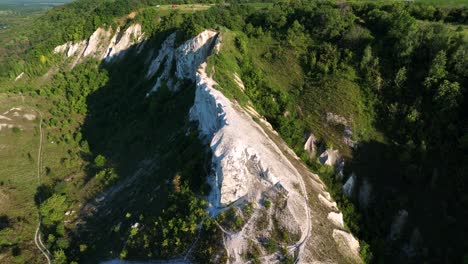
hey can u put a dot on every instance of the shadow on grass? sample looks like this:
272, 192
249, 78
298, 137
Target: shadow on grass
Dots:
147, 142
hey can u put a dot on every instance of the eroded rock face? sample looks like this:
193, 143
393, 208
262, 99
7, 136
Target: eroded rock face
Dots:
132, 35
103, 44
98, 42
309, 146
192, 53
330, 157
246, 163
336, 218
187, 57
239, 157
347, 242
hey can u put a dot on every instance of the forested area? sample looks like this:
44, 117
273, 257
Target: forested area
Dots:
398, 71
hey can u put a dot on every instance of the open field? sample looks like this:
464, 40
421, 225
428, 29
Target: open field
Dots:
19, 139
190, 8
18, 182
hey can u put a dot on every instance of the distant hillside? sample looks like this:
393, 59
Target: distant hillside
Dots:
23, 2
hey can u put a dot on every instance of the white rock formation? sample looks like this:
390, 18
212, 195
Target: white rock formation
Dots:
326, 201
97, 43
347, 242
62, 48
245, 160
165, 53
193, 53
330, 157
133, 35
337, 119
29, 117
187, 57
103, 44
336, 219
309, 146
242, 154
398, 224
348, 187
76, 48
5, 118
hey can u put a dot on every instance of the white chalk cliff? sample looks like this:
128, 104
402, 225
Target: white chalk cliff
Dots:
103, 44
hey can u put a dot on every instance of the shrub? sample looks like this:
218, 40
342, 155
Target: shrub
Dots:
100, 161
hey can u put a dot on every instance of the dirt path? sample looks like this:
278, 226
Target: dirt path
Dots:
37, 236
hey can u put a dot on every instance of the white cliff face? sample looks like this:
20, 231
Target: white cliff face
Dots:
103, 44
76, 48
242, 154
62, 48
330, 157
187, 57
347, 242
97, 43
130, 37
336, 218
246, 162
192, 53
309, 146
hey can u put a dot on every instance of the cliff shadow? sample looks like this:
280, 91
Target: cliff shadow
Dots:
147, 143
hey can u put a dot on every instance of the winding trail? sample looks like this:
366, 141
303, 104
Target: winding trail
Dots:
37, 236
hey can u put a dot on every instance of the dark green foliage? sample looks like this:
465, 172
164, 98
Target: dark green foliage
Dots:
270, 245
173, 231
100, 161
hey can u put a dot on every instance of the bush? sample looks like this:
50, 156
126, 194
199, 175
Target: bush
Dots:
100, 161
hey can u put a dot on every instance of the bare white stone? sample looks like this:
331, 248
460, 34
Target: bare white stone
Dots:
336, 219
347, 242
309, 146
